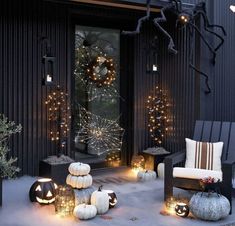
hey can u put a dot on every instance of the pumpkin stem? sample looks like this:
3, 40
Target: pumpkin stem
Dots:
100, 188
146, 171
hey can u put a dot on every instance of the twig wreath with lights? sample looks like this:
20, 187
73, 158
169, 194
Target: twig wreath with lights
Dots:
157, 106
100, 134
59, 116
101, 71
95, 70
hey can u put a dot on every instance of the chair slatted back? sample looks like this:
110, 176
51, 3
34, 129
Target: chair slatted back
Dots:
208, 131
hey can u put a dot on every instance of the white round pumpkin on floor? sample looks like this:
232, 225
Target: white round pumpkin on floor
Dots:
79, 169
79, 181
100, 199
146, 175
85, 212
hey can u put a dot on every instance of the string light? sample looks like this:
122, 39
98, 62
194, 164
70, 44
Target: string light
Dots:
158, 120
58, 115
101, 135
96, 72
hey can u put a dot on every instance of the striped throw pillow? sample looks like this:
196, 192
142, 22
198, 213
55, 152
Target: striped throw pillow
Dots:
203, 155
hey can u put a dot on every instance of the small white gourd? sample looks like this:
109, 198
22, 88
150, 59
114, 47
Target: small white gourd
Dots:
146, 175
84, 211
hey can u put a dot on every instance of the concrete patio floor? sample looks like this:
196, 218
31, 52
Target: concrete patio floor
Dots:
139, 204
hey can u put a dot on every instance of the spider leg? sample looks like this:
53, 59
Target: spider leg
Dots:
171, 45
205, 41
193, 66
208, 25
140, 21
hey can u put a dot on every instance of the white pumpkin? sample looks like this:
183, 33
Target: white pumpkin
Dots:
146, 175
79, 169
160, 170
79, 181
85, 212
100, 199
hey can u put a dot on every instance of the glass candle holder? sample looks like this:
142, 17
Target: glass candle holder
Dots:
64, 201
137, 163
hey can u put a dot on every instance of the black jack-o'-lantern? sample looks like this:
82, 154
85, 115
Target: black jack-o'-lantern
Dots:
112, 198
182, 209
43, 191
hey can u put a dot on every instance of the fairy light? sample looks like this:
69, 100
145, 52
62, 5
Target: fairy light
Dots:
96, 72
157, 106
58, 115
100, 134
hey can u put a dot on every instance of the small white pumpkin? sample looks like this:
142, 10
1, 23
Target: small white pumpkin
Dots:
160, 170
79, 181
79, 169
100, 199
85, 212
146, 175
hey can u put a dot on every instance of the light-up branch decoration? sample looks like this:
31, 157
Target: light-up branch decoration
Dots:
100, 134
186, 19
59, 117
158, 120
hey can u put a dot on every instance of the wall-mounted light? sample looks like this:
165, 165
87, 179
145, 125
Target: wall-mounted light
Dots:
48, 65
232, 7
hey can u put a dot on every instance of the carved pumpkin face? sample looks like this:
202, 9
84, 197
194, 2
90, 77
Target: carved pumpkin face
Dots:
182, 209
43, 191
112, 198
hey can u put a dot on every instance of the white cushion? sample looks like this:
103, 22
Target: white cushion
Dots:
203, 155
192, 173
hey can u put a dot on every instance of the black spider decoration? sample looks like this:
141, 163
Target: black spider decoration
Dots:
185, 19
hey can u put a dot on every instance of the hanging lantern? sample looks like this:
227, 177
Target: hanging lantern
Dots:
137, 163
182, 209
43, 191
112, 198
64, 201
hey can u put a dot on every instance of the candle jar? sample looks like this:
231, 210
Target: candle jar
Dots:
64, 201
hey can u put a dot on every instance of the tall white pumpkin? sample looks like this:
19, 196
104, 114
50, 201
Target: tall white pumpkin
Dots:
100, 199
160, 170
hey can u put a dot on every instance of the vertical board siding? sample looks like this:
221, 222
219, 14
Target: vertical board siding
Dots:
224, 71
23, 24
175, 78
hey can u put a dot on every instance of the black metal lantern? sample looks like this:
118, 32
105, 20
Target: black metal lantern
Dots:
182, 209
112, 198
49, 64
43, 191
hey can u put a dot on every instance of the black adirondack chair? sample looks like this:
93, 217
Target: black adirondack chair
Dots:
205, 131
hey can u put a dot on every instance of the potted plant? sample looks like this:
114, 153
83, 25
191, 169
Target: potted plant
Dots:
7, 169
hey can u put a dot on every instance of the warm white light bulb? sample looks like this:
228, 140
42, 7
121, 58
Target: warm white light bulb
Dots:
232, 7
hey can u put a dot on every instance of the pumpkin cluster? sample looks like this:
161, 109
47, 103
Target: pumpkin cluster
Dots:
88, 200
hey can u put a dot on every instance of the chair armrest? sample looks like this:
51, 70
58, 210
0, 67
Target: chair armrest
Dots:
175, 158
227, 169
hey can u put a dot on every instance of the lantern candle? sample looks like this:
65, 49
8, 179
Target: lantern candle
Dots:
64, 201
137, 163
43, 191
182, 209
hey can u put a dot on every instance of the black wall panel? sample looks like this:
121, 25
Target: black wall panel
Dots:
24, 22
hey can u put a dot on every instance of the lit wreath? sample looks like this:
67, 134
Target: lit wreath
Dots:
101, 71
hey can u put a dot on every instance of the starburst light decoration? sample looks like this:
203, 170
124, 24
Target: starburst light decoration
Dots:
100, 134
158, 119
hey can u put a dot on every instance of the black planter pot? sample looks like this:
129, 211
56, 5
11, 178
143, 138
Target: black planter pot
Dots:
0, 191
57, 172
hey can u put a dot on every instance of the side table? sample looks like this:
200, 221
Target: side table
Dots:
153, 156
